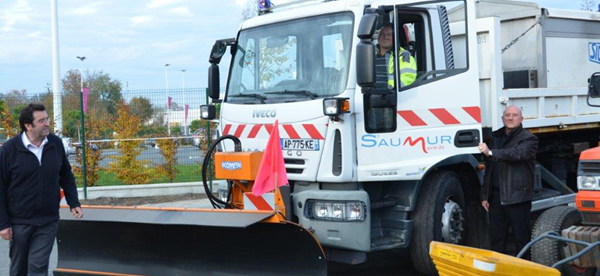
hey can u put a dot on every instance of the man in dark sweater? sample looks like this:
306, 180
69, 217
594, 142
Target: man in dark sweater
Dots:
509, 176
33, 168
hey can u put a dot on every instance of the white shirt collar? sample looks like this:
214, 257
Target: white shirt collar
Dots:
28, 143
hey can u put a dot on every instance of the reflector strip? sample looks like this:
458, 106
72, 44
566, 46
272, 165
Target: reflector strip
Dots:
444, 116
411, 118
291, 131
485, 266
264, 202
254, 131
474, 111
239, 130
313, 132
226, 129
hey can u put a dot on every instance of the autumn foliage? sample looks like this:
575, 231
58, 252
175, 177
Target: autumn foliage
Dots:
168, 149
93, 127
126, 166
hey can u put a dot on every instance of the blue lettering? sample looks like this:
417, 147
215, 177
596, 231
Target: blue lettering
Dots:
368, 141
429, 142
396, 145
382, 142
594, 52
447, 139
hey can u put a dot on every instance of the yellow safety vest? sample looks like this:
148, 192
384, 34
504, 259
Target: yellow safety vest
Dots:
408, 69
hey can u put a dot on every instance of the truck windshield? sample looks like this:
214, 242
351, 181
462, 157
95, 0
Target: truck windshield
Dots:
298, 60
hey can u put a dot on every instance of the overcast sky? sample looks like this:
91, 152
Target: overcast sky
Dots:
130, 40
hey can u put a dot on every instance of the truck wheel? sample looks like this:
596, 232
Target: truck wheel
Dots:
548, 252
439, 216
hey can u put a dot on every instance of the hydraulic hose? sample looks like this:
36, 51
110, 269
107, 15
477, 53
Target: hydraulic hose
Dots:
215, 201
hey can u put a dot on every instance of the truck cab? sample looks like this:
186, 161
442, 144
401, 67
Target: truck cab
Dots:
374, 168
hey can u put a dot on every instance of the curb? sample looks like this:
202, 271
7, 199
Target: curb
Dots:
145, 190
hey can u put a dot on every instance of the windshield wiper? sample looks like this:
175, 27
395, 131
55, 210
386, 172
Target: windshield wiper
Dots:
298, 92
256, 96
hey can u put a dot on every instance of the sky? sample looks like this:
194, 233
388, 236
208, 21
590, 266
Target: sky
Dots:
129, 40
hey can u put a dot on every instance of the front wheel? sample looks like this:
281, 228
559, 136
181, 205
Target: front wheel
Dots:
548, 252
439, 216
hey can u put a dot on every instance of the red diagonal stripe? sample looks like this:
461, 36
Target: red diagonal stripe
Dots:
313, 132
291, 131
411, 118
226, 129
269, 128
239, 130
259, 202
443, 115
474, 111
254, 131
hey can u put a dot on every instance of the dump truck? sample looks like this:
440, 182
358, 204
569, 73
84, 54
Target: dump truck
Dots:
370, 168
579, 223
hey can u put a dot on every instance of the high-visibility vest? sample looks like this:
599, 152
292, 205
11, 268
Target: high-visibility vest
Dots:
408, 69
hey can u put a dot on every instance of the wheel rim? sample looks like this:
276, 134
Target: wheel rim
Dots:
452, 222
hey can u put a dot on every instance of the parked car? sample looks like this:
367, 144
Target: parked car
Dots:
68, 144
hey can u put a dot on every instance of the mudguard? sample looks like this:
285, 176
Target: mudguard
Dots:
171, 241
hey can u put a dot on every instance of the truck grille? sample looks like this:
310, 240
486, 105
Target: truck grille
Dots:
294, 166
589, 167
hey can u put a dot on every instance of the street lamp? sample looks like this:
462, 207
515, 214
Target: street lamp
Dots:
82, 138
185, 128
168, 105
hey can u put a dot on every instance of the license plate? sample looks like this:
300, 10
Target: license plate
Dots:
300, 144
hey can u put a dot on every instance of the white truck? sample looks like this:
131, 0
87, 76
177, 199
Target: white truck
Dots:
373, 169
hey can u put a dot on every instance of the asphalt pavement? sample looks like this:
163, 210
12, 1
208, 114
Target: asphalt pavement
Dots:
378, 264
186, 155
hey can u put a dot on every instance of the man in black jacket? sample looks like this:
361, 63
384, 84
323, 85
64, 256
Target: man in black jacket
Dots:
33, 168
508, 183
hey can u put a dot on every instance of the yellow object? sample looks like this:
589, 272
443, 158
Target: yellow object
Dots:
456, 260
237, 165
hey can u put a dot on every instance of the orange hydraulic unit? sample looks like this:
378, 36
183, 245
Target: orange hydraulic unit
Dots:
237, 165
588, 201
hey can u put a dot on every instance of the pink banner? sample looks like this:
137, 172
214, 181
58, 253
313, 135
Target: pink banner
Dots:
187, 106
86, 93
169, 102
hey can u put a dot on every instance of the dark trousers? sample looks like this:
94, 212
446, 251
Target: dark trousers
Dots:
502, 216
30, 249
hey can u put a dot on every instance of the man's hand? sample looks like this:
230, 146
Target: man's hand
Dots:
77, 212
6, 234
483, 148
486, 205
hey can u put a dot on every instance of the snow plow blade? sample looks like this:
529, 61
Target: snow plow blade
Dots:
171, 241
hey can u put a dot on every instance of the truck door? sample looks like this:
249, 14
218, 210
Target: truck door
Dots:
419, 120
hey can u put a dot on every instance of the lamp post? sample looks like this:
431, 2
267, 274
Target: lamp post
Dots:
168, 105
82, 138
185, 125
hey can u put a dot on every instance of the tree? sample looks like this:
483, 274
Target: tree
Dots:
16, 98
7, 122
194, 125
104, 98
250, 10
588, 5
127, 167
168, 149
141, 107
94, 126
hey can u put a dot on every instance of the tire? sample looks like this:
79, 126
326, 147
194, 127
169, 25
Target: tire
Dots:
548, 252
436, 190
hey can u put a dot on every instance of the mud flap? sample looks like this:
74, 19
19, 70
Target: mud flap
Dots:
181, 242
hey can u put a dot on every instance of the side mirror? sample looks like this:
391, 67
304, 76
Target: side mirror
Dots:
219, 48
213, 82
365, 50
594, 85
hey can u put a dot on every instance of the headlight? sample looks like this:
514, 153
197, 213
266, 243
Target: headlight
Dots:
336, 106
208, 112
588, 182
335, 210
